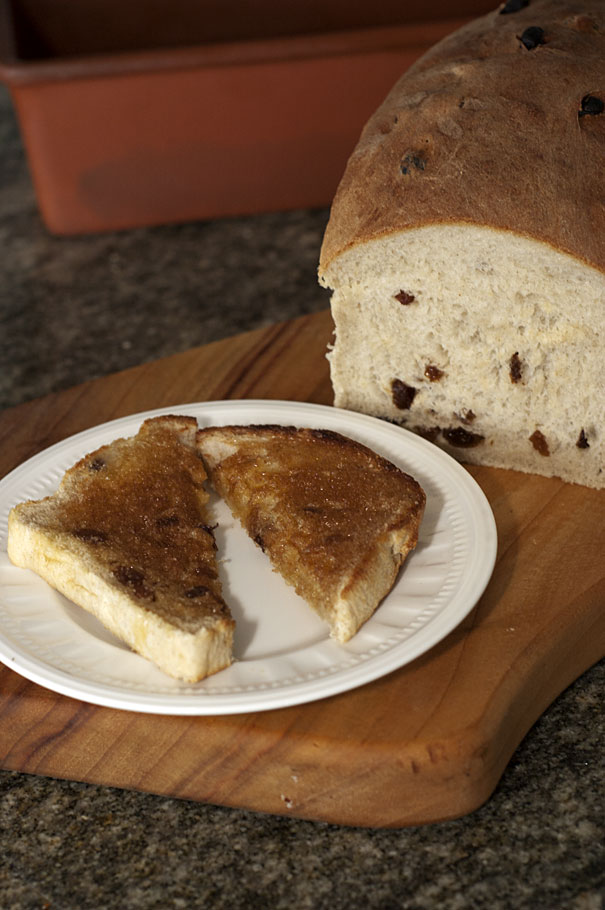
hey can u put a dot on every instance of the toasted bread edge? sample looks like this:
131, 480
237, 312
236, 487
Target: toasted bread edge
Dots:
184, 655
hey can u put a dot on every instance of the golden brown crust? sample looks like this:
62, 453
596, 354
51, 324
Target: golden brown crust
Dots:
486, 131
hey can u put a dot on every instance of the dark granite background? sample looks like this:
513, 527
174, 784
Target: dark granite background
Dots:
72, 309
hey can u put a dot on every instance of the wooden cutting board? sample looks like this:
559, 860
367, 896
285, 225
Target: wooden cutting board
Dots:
428, 742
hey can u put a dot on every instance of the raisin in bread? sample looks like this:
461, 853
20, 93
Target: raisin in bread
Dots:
335, 519
126, 536
466, 246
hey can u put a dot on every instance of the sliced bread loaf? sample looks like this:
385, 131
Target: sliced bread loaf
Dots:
466, 246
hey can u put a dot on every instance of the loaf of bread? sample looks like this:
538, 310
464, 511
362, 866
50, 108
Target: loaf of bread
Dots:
466, 246
127, 537
335, 519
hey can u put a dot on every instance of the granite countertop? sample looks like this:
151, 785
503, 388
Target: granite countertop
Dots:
76, 308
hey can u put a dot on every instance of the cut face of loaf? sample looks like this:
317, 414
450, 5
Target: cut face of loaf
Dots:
490, 344
126, 536
466, 245
335, 519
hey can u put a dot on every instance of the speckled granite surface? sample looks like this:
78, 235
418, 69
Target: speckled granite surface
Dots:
71, 309
538, 843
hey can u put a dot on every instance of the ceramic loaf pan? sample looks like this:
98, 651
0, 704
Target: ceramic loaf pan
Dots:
136, 114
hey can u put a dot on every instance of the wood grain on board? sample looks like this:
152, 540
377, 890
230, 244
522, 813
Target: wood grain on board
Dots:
427, 742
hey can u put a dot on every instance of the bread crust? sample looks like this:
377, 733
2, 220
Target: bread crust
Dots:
484, 131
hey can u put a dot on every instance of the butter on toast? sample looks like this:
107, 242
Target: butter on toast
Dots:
335, 519
126, 536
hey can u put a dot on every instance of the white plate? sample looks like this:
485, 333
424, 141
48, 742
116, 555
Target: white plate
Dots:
283, 653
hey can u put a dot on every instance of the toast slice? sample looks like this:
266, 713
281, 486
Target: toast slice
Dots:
335, 519
127, 537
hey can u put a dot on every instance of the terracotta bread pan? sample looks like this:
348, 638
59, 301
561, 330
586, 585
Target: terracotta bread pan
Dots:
138, 113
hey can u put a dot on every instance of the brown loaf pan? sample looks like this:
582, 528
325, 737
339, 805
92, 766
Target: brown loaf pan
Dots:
138, 113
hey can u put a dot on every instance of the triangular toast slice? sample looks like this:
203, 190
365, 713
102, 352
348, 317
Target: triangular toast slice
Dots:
335, 519
127, 537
